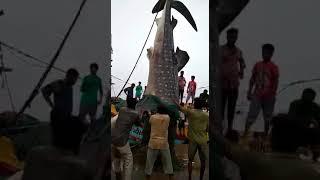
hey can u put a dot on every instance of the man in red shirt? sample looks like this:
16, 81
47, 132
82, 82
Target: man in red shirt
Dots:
233, 66
182, 83
191, 89
264, 81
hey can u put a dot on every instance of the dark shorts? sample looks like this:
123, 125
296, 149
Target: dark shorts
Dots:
201, 148
256, 105
152, 155
87, 109
181, 124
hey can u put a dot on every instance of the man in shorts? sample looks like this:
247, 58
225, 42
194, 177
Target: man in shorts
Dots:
191, 89
90, 87
264, 80
182, 83
182, 122
158, 143
62, 91
197, 134
138, 91
120, 140
232, 71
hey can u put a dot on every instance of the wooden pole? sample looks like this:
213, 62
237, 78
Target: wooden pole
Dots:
215, 121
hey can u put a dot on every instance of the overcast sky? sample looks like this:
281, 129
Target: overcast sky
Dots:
37, 27
131, 22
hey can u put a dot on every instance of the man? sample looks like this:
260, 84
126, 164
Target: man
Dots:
191, 89
120, 135
59, 161
129, 91
306, 115
139, 91
264, 81
204, 97
233, 66
62, 93
197, 134
181, 83
158, 143
182, 122
90, 87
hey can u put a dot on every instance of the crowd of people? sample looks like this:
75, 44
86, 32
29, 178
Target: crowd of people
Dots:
303, 120
62, 92
156, 127
60, 159
261, 94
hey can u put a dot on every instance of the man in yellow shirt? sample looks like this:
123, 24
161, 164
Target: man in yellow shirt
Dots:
197, 134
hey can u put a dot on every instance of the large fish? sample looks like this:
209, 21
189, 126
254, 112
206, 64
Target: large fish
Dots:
164, 62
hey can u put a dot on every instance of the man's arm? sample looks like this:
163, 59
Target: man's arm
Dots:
251, 83
47, 92
188, 87
276, 79
125, 91
242, 66
180, 108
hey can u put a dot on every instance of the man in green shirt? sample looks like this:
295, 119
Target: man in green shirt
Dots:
197, 134
139, 91
90, 86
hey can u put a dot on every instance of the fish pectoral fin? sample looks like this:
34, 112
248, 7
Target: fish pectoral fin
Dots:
149, 53
182, 58
157, 21
159, 6
182, 9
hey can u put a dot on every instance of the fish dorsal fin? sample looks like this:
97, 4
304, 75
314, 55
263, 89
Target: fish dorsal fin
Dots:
159, 6
174, 22
182, 9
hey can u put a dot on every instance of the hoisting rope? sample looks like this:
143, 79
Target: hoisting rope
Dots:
134, 67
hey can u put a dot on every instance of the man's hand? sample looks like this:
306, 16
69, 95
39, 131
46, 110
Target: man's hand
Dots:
176, 102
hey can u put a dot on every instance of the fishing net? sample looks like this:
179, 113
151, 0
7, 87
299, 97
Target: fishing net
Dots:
150, 103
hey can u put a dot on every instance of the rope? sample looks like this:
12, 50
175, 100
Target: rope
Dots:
139, 55
296, 83
12, 48
55, 57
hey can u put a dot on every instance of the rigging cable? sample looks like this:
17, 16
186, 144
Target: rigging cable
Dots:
12, 48
55, 57
6, 82
134, 67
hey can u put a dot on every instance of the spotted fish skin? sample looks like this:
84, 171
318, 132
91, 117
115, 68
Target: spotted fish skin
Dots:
164, 62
